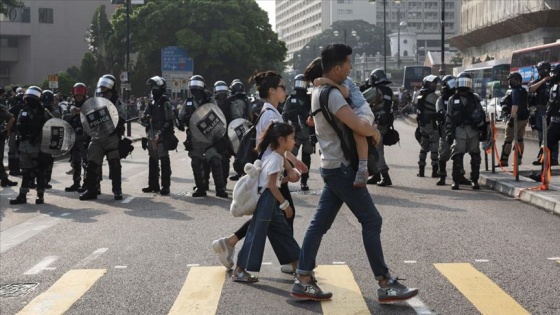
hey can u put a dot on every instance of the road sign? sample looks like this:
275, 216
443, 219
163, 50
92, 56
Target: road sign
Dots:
174, 58
53, 81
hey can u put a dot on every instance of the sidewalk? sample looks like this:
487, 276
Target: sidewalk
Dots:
525, 189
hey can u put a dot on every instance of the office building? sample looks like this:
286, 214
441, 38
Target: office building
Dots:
44, 37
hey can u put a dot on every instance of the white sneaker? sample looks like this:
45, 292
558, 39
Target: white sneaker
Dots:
224, 251
287, 268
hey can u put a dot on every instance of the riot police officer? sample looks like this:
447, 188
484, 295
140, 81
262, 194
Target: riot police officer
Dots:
7, 121
198, 149
158, 120
540, 93
221, 96
464, 122
238, 102
383, 111
15, 105
79, 150
296, 111
516, 106
444, 149
49, 102
30, 126
426, 107
552, 115
105, 146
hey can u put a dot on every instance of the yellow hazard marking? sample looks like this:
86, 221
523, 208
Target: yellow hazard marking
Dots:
64, 292
484, 294
201, 291
347, 297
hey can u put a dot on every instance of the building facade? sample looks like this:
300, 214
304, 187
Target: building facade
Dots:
297, 21
45, 37
494, 29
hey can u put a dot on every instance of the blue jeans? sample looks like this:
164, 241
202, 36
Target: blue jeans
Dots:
339, 189
268, 220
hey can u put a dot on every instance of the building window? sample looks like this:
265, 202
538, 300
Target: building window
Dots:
340, 1
46, 15
21, 15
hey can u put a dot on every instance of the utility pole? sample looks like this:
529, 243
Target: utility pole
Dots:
442, 69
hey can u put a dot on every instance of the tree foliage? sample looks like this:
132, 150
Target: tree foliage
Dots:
368, 39
6, 5
226, 39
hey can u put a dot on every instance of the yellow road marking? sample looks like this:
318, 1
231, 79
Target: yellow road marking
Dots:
484, 294
64, 292
201, 291
347, 297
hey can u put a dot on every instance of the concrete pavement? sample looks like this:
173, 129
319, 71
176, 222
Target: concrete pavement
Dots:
526, 189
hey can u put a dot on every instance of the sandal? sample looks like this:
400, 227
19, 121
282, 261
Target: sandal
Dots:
244, 276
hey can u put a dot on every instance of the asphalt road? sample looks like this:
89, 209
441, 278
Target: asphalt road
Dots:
468, 252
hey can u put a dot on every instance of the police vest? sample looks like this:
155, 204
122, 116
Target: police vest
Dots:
157, 112
30, 123
469, 113
553, 106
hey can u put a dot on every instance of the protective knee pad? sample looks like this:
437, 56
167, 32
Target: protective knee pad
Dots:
475, 159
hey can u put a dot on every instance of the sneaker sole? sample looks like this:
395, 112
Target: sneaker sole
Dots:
302, 296
396, 299
218, 250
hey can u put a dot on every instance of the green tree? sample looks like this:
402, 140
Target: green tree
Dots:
360, 35
6, 5
65, 84
226, 39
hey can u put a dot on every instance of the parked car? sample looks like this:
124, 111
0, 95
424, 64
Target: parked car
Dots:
495, 91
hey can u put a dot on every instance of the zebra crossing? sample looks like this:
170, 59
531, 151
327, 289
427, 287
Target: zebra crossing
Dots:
203, 287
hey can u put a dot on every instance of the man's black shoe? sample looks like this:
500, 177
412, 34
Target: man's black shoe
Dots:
536, 177
164, 191
88, 195
48, 186
464, 181
118, 196
235, 177
150, 189
199, 193
221, 194
475, 185
455, 186
304, 187
74, 187
7, 182
19, 200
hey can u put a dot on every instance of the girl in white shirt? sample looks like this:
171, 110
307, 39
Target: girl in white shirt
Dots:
268, 219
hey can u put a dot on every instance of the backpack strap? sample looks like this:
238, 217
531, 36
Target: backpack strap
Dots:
323, 108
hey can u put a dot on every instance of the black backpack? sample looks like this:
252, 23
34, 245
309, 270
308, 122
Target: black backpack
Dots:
347, 141
246, 152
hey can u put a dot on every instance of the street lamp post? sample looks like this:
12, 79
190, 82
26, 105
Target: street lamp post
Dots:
314, 49
442, 69
385, 30
353, 33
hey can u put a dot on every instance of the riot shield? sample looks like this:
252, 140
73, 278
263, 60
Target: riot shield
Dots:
236, 129
99, 117
58, 137
208, 124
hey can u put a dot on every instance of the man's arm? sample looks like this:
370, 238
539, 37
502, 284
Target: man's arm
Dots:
360, 126
534, 87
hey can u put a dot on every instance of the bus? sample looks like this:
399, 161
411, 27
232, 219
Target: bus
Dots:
413, 76
525, 60
485, 72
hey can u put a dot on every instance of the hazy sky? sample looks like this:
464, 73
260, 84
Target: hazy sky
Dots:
270, 7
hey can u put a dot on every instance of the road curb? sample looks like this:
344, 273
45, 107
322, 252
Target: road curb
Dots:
521, 190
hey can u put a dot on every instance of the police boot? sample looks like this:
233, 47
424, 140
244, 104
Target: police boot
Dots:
505, 157
165, 176
40, 199
206, 175
462, 179
442, 173
217, 174
475, 173
435, 172
538, 160
13, 166
20, 199
90, 182
374, 179
456, 173
421, 171
73, 187
153, 176
198, 173
116, 178
6, 182
385, 179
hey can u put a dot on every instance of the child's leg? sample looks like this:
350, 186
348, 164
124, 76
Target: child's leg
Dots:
362, 148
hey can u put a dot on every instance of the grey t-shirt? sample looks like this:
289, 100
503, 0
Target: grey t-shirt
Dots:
331, 150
